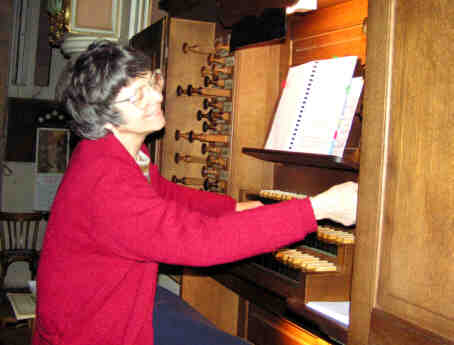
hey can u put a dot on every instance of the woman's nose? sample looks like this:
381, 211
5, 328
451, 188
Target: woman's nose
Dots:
155, 96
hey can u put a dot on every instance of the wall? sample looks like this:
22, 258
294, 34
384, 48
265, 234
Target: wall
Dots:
17, 196
18, 180
156, 13
17, 193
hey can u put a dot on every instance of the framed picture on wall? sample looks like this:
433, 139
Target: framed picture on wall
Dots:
52, 156
52, 150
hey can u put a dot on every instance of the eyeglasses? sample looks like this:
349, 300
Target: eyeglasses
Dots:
139, 98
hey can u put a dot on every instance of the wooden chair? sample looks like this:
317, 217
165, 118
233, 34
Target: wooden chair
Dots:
18, 241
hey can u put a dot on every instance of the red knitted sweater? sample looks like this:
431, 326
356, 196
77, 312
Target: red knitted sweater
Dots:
109, 228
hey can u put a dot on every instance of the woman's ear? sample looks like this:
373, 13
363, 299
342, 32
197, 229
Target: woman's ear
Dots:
109, 126
157, 80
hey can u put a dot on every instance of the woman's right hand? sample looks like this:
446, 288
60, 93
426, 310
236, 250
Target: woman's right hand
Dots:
338, 203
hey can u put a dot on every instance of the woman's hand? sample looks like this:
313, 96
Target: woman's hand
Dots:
338, 203
247, 205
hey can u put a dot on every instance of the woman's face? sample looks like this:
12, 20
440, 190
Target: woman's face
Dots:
140, 104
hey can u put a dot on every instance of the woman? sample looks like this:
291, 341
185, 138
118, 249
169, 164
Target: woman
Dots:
110, 225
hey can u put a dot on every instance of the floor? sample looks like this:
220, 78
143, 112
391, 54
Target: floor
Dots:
15, 336
13, 333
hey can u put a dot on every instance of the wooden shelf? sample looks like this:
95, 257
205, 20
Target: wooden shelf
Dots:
327, 325
306, 159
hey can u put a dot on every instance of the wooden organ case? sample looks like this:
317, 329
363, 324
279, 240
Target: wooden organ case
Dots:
396, 297
262, 299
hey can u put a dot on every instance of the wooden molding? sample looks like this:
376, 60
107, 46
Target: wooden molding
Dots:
104, 19
387, 329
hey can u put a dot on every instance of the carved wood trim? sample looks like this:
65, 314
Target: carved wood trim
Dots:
387, 329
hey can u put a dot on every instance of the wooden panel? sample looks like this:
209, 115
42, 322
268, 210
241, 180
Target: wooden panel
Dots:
329, 287
267, 329
104, 19
180, 111
345, 42
404, 238
6, 12
210, 298
217, 303
43, 50
309, 180
389, 330
371, 171
336, 30
6, 23
256, 93
416, 280
233, 11
97, 17
340, 16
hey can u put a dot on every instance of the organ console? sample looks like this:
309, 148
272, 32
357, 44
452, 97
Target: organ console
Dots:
217, 70
222, 83
208, 91
220, 46
223, 106
222, 116
191, 136
188, 159
189, 181
205, 71
222, 162
193, 49
212, 161
319, 268
212, 102
223, 61
208, 115
181, 91
217, 150
215, 185
216, 127
214, 172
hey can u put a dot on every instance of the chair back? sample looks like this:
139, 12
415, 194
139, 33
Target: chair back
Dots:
19, 231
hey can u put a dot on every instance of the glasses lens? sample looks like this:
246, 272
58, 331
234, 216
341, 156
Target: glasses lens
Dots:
139, 98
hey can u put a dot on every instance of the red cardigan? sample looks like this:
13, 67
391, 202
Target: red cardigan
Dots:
109, 228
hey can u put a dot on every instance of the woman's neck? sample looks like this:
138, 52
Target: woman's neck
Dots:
131, 142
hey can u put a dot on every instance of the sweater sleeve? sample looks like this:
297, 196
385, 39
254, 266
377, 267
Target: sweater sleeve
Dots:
209, 203
134, 221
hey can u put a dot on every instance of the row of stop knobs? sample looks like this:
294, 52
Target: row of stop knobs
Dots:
217, 93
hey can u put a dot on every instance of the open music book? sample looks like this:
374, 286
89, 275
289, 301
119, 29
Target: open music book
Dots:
316, 108
23, 304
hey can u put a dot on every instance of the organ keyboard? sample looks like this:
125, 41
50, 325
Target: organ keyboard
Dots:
319, 268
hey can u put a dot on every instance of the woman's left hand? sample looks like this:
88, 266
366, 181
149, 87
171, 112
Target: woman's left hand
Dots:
247, 205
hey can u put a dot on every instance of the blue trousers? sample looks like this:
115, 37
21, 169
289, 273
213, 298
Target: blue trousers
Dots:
177, 323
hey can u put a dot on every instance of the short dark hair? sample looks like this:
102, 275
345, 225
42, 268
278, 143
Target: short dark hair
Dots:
90, 84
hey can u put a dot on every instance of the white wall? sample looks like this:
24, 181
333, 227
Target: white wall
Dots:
18, 187
17, 196
156, 13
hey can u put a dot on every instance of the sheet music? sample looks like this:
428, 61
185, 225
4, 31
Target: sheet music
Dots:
346, 120
311, 105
